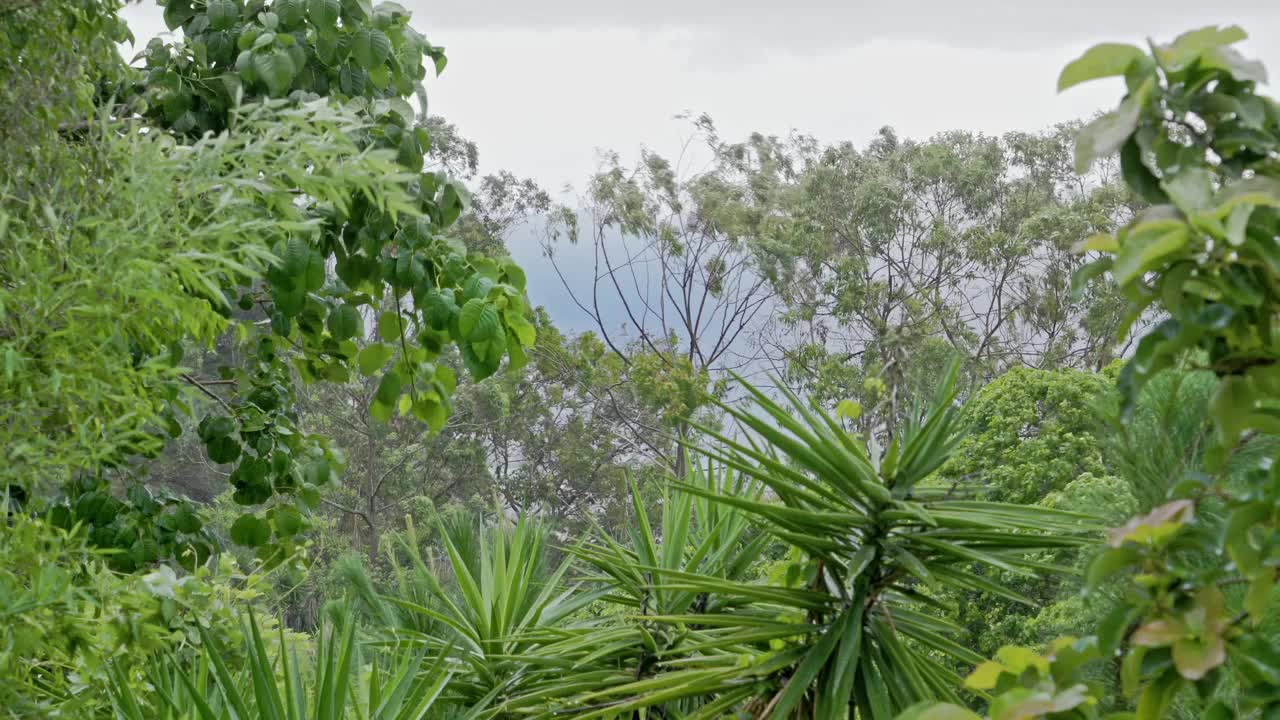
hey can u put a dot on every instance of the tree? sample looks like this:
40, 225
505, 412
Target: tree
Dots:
345, 256
96, 367
542, 436
499, 202
675, 291
891, 260
880, 265
543, 439
1031, 433
1037, 438
551, 434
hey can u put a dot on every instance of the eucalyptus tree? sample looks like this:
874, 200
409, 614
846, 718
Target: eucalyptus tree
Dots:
890, 260
855, 272
543, 439
674, 289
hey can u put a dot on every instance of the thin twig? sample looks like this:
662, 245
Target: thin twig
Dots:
204, 389
351, 511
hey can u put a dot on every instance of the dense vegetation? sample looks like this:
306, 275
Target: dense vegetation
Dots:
284, 437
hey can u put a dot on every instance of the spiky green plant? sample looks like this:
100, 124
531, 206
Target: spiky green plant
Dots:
858, 632
403, 683
696, 535
498, 601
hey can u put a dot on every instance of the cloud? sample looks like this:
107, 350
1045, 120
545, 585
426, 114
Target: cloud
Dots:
819, 23
542, 103
542, 86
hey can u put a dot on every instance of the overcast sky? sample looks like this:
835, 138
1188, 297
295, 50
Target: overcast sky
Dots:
543, 85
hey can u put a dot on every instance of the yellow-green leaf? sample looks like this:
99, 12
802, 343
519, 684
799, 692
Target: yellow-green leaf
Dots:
984, 676
1189, 46
849, 409
1102, 242
1259, 595
1195, 657
1145, 246
372, 358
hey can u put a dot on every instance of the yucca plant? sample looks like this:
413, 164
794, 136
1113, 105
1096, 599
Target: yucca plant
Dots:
497, 600
403, 683
696, 535
858, 630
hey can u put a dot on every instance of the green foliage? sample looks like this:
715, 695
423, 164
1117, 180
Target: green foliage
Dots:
893, 259
1203, 240
393, 263
1031, 433
49, 640
1196, 140
94, 367
703, 301
680, 618
234, 49
183, 242
669, 382
1164, 440
198, 213
553, 440
502, 609
697, 538
1036, 439
697, 535
56, 58
338, 685
67, 618
1028, 684
144, 529
1056, 605
227, 232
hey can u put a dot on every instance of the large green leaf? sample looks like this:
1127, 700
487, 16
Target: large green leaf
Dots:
276, 69
1099, 61
250, 531
324, 13
1105, 135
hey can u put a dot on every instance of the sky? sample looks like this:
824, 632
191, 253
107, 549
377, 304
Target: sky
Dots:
543, 86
